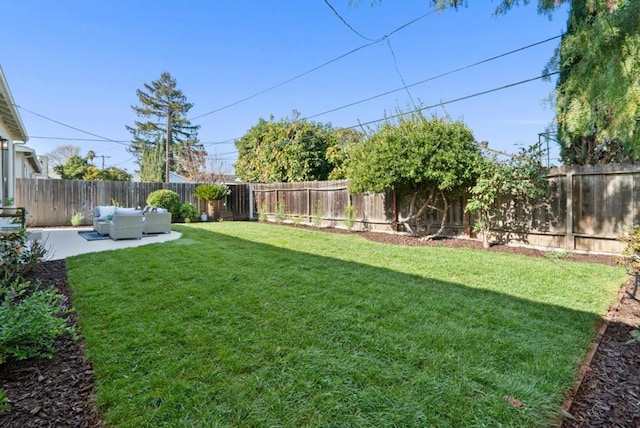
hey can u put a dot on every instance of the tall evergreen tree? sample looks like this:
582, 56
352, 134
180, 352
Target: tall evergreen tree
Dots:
164, 108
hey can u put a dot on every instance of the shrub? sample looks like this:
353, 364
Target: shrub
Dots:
262, 212
29, 314
167, 199
18, 255
29, 320
317, 217
76, 218
189, 212
350, 214
211, 191
281, 212
297, 220
631, 255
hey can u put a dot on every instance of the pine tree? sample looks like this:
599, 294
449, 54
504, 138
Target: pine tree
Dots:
164, 108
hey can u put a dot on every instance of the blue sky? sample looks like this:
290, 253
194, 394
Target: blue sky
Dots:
80, 63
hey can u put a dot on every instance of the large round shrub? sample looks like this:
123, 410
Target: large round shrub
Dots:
165, 198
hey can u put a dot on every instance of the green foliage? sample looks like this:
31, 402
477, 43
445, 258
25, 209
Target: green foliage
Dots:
350, 214
29, 320
520, 179
631, 254
163, 108
262, 212
189, 212
152, 164
317, 215
76, 218
79, 168
291, 150
422, 158
29, 314
415, 152
598, 93
165, 198
556, 254
635, 337
281, 212
296, 220
211, 191
18, 255
4, 400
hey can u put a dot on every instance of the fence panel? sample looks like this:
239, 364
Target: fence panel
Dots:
587, 207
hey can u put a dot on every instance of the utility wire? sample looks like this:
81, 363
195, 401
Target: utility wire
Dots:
447, 73
313, 69
346, 23
69, 126
395, 64
455, 100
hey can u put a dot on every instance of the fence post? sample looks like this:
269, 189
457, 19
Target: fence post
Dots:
250, 201
569, 238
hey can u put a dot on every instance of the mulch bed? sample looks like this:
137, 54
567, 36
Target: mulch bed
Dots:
60, 392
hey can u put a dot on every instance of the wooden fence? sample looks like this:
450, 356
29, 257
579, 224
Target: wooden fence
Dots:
587, 208
51, 202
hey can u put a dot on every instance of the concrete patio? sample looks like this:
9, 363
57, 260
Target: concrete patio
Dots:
66, 242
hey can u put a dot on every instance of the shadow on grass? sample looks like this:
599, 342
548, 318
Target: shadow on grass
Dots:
218, 329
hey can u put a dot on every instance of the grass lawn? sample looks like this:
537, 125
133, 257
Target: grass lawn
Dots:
247, 324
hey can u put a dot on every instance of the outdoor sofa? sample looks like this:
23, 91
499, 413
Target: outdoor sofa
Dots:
130, 223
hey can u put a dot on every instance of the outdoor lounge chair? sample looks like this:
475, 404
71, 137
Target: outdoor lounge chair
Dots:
158, 222
126, 226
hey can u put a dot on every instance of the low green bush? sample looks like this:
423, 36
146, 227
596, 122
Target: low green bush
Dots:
29, 313
189, 212
18, 255
30, 320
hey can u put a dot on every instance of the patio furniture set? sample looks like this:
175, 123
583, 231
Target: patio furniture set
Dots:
130, 223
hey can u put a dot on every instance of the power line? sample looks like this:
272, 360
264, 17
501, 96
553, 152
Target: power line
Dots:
346, 23
313, 69
206, 143
395, 65
447, 73
68, 126
455, 100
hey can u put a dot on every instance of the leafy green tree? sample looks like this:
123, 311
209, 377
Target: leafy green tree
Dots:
75, 168
598, 93
502, 185
288, 150
423, 159
164, 108
79, 168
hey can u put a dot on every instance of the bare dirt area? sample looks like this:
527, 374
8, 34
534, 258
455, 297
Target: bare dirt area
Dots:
60, 392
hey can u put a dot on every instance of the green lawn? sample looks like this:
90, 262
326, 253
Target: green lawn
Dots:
247, 324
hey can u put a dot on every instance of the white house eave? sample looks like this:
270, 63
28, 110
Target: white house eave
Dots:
31, 156
9, 114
